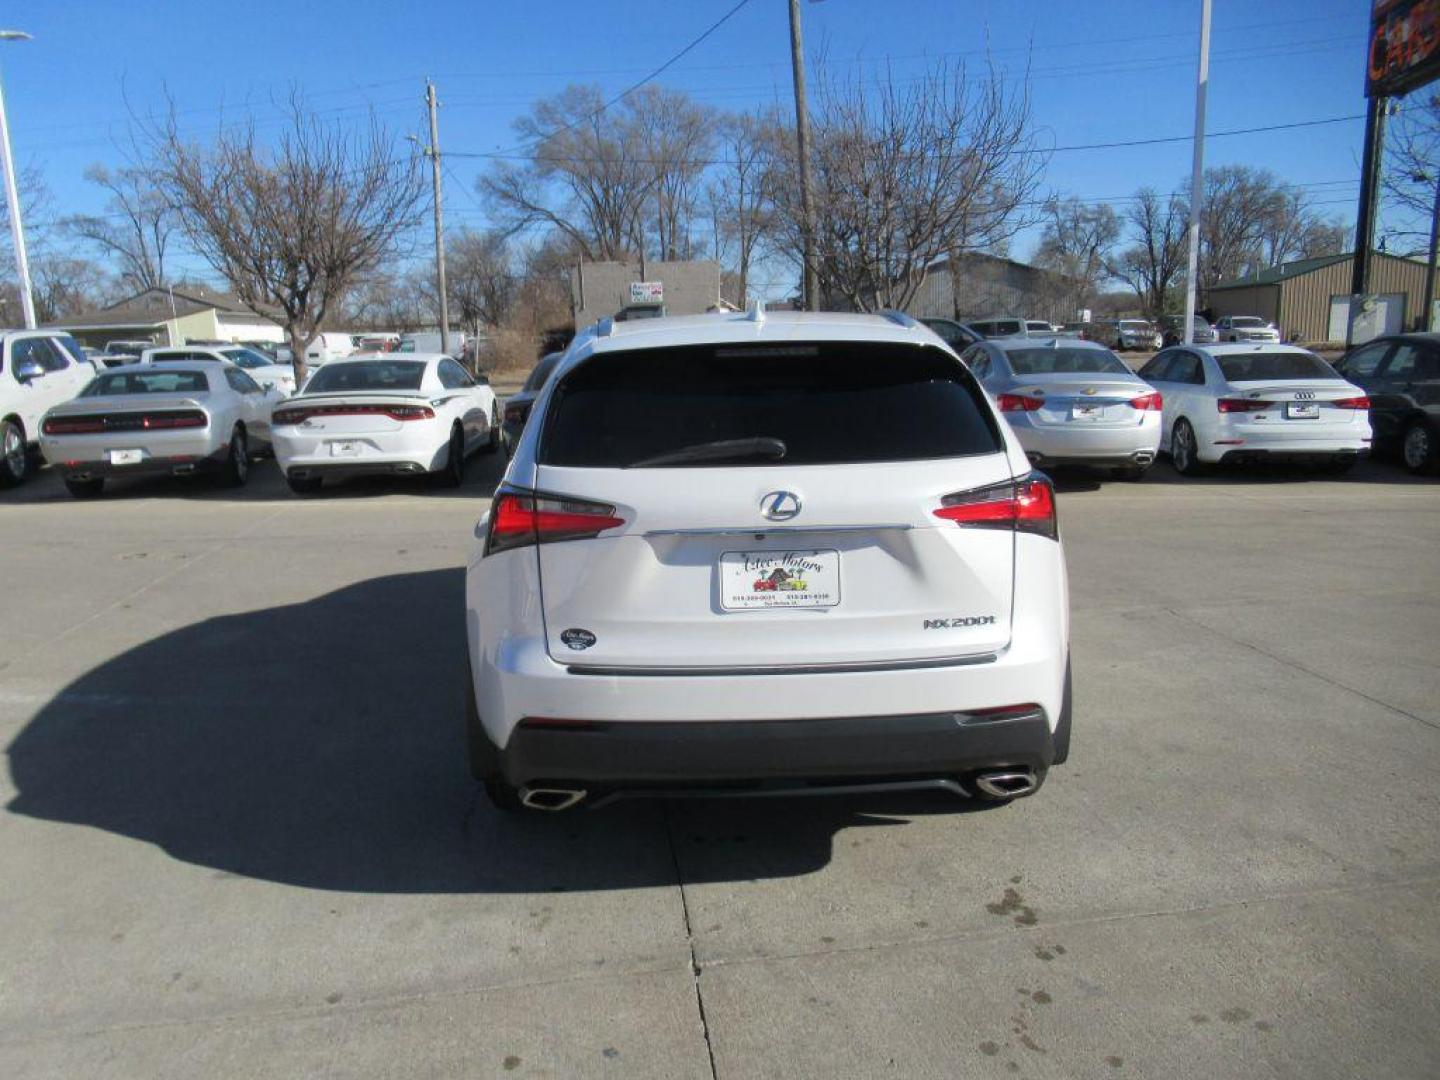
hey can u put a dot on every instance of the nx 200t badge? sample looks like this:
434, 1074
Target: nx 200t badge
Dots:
780, 505
957, 623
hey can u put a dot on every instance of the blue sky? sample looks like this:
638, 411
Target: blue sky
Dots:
1103, 71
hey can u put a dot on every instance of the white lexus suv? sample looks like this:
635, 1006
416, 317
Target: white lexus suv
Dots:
762, 553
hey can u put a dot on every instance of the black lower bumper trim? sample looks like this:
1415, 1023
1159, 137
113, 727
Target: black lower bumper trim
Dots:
343, 472
631, 755
1290, 457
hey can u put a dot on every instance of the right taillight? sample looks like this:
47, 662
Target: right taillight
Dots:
520, 518
1018, 403
1352, 403
1152, 400
1025, 505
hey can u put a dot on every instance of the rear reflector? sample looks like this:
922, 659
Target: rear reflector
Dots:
1242, 405
1152, 400
299, 415
1018, 403
1025, 505
1352, 403
520, 518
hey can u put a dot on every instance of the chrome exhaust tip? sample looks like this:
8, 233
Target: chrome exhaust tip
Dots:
1144, 458
1005, 784
550, 799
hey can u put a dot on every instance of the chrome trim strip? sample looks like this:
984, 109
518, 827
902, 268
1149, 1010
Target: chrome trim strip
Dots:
806, 669
766, 529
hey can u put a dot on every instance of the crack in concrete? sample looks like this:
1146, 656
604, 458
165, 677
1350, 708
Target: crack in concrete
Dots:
695, 969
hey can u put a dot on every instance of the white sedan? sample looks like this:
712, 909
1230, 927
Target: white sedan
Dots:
265, 371
384, 415
1236, 404
147, 418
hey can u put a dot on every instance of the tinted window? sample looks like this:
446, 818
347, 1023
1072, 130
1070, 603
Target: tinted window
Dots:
1246, 367
246, 358
147, 382
181, 356
1158, 369
367, 375
452, 375
1186, 368
541, 372
1364, 361
1064, 361
827, 403
1246, 320
240, 382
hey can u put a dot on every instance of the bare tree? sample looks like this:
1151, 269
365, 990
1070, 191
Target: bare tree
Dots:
1153, 263
1075, 246
136, 229
677, 135
387, 301
481, 277
742, 192
35, 201
64, 285
295, 225
907, 174
587, 175
1412, 172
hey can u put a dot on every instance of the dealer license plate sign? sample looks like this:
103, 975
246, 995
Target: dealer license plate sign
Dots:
1088, 412
1302, 410
344, 449
779, 579
126, 457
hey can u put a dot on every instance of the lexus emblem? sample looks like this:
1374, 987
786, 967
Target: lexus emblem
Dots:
780, 505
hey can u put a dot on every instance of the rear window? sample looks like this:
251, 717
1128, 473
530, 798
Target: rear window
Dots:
1247, 320
1249, 367
541, 373
147, 382
805, 404
367, 375
1064, 361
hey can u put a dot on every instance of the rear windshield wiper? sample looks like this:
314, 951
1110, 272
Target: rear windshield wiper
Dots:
724, 450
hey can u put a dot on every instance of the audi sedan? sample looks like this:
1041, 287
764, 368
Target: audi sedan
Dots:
384, 415
1071, 402
696, 578
1240, 404
172, 419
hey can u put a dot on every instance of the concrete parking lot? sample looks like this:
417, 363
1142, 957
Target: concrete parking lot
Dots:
240, 839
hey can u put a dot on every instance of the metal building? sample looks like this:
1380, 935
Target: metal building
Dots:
1309, 300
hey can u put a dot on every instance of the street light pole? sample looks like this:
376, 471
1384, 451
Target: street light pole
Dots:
811, 287
1197, 172
1429, 301
12, 199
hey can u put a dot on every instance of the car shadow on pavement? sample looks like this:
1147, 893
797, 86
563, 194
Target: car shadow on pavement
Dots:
320, 744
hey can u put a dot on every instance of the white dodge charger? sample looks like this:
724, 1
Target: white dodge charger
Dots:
766, 552
384, 415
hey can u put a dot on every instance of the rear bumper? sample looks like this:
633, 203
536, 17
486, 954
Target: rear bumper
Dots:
788, 753
388, 453
1133, 444
167, 465
333, 471
1286, 456
1272, 446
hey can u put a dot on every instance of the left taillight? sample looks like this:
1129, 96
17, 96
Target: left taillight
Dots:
61, 425
521, 518
1025, 505
1152, 400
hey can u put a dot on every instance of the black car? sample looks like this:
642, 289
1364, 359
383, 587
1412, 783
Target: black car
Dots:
955, 334
517, 407
1400, 374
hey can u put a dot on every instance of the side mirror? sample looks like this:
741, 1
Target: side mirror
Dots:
26, 370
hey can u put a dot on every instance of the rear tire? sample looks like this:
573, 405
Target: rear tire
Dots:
453, 474
1419, 448
304, 485
14, 455
236, 469
1184, 449
86, 489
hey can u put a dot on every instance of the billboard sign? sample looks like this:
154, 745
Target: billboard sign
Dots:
1404, 50
647, 292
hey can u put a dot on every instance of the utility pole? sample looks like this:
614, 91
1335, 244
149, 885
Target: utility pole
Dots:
1197, 172
1370, 160
12, 200
811, 287
433, 152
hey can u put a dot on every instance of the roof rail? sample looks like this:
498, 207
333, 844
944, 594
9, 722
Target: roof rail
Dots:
605, 327
900, 318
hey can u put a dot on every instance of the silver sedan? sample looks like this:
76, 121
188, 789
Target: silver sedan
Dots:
171, 419
1071, 402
